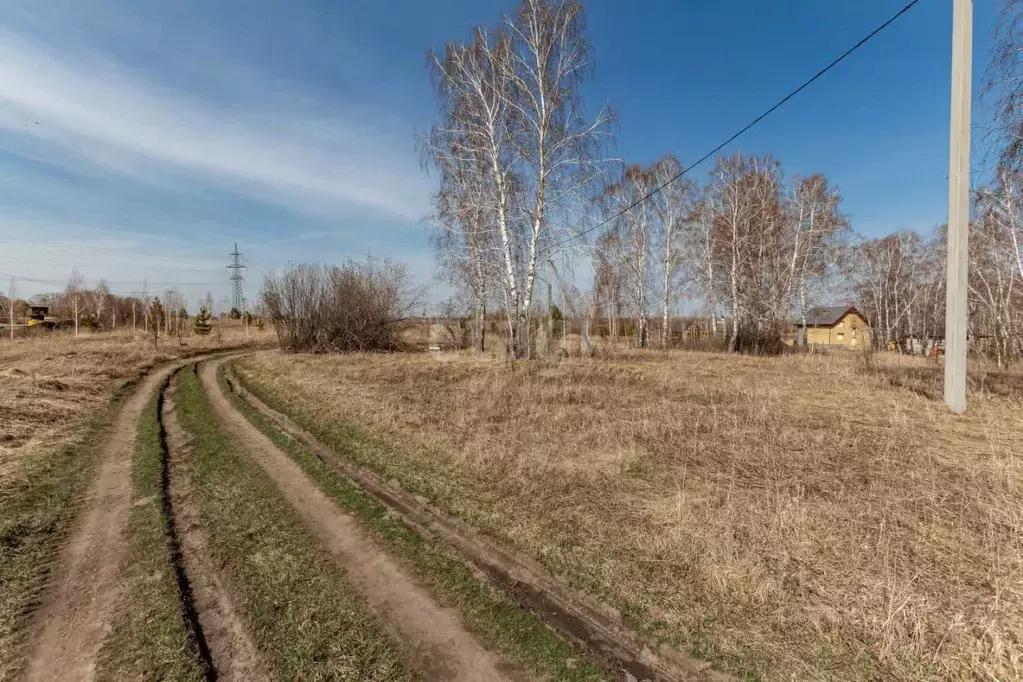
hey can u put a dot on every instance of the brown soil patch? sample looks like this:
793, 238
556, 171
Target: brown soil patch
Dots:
231, 649
437, 644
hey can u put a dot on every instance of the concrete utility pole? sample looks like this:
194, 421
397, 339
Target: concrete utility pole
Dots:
958, 206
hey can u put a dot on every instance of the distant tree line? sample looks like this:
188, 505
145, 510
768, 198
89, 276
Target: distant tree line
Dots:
525, 175
80, 307
900, 279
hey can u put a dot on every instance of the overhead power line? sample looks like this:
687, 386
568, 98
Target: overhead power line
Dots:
103, 264
115, 283
863, 41
126, 251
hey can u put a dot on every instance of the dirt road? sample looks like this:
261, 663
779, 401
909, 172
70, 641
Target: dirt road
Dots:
76, 614
436, 643
76, 617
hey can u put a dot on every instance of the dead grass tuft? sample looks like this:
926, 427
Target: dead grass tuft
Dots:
797, 516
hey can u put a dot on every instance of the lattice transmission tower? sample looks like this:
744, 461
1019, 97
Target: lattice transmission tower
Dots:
237, 280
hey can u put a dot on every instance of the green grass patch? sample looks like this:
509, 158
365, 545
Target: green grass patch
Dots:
37, 513
517, 633
308, 622
149, 639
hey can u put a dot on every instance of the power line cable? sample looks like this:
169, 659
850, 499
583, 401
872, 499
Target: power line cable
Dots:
119, 283
736, 135
99, 264
125, 251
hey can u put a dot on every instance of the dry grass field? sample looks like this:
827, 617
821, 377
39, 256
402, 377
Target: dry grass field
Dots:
51, 382
808, 517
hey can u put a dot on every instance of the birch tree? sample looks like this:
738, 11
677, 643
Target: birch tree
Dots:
556, 143
74, 295
464, 238
512, 116
99, 298
761, 248
817, 225
673, 208
1003, 85
996, 261
633, 230
748, 216
702, 247
608, 280
474, 84
889, 283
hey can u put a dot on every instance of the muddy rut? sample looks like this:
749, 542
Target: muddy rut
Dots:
436, 644
225, 646
76, 614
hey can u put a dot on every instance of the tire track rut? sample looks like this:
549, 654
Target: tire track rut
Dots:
224, 644
436, 643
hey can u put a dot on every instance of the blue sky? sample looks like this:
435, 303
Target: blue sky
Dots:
140, 139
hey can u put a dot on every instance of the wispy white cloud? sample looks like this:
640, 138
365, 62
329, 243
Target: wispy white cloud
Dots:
83, 107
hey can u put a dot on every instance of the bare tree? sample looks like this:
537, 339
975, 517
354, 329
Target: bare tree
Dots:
1004, 206
817, 227
760, 249
463, 237
74, 295
1003, 85
155, 316
11, 304
145, 306
513, 145
174, 304
888, 283
352, 307
557, 144
609, 281
996, 262
633, 227
749, 239
701, 245
673, 208
98, 300
473, 84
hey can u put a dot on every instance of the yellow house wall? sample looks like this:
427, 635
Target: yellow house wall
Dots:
829, 336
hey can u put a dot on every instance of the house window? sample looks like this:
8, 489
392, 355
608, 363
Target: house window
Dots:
841, 336
841, 324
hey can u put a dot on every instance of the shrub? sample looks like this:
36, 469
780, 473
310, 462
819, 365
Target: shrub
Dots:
356, 306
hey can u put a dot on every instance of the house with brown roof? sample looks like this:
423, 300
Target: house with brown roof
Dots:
835, 326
